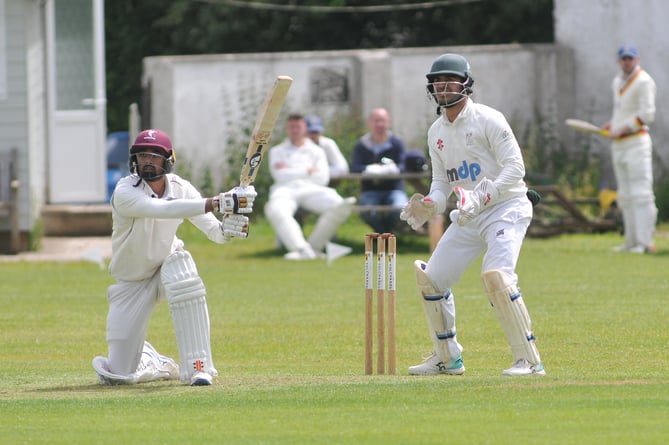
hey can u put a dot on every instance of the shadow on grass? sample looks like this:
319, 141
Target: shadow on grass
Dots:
147, 388
412, 243
660, 253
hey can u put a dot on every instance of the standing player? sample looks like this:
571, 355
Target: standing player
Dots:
150, 264
474, 155
632, 151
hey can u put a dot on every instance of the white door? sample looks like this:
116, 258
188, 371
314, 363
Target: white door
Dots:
77, 119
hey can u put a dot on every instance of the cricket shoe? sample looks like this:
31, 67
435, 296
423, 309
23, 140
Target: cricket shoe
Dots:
622, 248
643, 249
434, 366
522, 368
154, 366
301, 255
200, 378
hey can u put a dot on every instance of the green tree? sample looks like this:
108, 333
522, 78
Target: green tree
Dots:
135, 30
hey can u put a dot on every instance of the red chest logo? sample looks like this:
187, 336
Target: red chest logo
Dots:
440, 144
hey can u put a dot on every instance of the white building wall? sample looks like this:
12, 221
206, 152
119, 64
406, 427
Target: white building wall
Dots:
203, 101
594, 30
13, 105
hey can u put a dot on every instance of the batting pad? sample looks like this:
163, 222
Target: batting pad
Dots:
512, 314
185, 294
440, 315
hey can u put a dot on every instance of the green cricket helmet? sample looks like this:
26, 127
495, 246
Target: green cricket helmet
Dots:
450, 64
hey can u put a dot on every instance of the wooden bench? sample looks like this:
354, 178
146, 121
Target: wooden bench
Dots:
420, 181
9, 187
555, 214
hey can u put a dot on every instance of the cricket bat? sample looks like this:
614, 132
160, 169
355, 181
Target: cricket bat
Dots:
262, 131
581, 125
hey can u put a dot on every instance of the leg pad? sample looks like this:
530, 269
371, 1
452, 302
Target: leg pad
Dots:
440, 315
512, 314
185, 294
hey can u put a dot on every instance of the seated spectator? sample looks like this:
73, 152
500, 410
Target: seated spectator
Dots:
300, 172
336, 160
380, 152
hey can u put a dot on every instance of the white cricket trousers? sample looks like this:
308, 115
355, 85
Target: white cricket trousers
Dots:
633, 166
499, 232
284, 201
131, 304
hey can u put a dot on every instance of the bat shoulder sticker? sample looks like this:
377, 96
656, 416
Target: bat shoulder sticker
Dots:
262, 131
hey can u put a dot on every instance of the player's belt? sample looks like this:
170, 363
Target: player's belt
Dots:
631, 135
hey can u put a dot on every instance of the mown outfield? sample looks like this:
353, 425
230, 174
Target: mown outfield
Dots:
288, 343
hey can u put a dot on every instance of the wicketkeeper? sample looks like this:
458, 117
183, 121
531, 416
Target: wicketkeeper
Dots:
150, 264
475, 155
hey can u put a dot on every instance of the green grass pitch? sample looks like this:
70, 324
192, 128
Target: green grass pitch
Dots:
288, 341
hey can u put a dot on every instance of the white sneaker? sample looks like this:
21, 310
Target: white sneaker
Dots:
622, 248
301, 255
154, 366
643, 249
522, 367
200, 378
434, 366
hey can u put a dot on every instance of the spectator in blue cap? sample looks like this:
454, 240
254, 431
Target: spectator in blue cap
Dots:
632, 151
336, 160
627, 51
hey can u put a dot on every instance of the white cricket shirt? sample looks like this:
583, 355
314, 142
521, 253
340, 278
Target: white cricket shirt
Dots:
336, 160
297, 161
478, 144
633, 101
144, 226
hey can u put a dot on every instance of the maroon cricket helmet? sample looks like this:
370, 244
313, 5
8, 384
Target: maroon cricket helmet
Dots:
152, 138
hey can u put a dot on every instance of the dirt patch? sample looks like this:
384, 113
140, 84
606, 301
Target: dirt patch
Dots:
89, 248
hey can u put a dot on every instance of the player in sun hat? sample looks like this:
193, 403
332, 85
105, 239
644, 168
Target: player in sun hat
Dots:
336, 160
632, 150
150, 264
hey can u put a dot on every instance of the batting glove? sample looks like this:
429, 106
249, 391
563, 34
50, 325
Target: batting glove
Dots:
471, 203
235, 226
237, 200
418, 211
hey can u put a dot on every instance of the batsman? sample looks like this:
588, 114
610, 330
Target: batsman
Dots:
150, 264
474, 155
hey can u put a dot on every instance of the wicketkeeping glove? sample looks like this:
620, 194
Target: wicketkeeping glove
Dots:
471, 203
235, 226
532, 195
237, 200
418, 211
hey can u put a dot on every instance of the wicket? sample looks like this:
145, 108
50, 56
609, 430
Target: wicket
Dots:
381, 266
